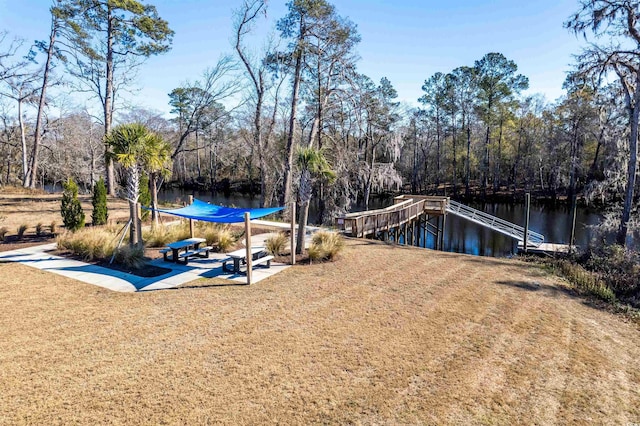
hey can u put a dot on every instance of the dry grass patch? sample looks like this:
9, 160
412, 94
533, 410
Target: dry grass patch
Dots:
384, 335
33, 208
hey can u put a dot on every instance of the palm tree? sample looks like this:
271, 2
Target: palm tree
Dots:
157, 162
313, 164
136, 149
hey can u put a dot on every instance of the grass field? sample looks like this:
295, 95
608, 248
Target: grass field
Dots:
385, 335
18, 209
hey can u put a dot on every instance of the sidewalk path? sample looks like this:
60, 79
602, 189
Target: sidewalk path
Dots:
41, 257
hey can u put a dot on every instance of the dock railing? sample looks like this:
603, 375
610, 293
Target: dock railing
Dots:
495, 223
404, 210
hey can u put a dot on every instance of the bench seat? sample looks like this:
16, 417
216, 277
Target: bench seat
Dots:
262, 260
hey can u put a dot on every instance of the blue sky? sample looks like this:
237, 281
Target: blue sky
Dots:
404, 40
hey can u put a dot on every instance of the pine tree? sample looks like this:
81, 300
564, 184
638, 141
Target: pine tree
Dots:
71, 210
99, 201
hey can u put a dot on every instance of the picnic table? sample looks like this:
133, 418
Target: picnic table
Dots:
259, 256
184, 249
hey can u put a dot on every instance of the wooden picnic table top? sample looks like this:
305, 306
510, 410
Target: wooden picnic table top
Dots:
185, 243
242, 253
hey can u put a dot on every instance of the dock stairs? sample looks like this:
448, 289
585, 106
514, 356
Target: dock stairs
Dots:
494, 223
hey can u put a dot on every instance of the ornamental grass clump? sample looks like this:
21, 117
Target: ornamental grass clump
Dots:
219, 237
130, 256
160, 236
277, 243
325, 245
89, 244
22, 229
3, 233
39, 229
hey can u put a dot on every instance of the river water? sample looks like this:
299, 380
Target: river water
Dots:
461, 236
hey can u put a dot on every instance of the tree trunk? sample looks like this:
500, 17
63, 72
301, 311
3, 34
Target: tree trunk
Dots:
621, 237
304, 195
467, 191
498, 161
108, 99
33, 167
288, 166
153, 181
455, 160
303, 216
23, 140
485, 163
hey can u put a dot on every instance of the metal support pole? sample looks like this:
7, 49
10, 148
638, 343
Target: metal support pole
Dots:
191, 220
573, 226
527, 206
444, 222
247, 233
293, 233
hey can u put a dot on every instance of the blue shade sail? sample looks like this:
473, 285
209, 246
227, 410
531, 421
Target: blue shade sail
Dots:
200, 210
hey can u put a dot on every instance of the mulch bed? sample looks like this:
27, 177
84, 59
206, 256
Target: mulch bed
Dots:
12, 242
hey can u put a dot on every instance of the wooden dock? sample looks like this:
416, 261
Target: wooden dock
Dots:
405, 209
550, 249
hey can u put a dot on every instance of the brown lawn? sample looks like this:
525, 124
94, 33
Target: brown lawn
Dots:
385, 335
29, 209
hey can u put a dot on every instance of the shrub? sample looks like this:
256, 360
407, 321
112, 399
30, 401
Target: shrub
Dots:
277, 243
71, 210
21, 230
616, 266
3, 232
100, 213
53, 226
130, 257
325, 245
585, 281
144, 196
39, 229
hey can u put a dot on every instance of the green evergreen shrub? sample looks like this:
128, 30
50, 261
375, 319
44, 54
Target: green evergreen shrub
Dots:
100, 212
144, 195
71, 210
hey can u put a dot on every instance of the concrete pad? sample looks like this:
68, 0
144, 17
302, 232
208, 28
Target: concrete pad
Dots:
40, 258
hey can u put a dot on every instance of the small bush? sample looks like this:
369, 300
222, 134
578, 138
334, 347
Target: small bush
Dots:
100, 213
585, 281
53, 226
277, 243
39, 229
130, 257
71, 210
3, 233
21, 230
325, 245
